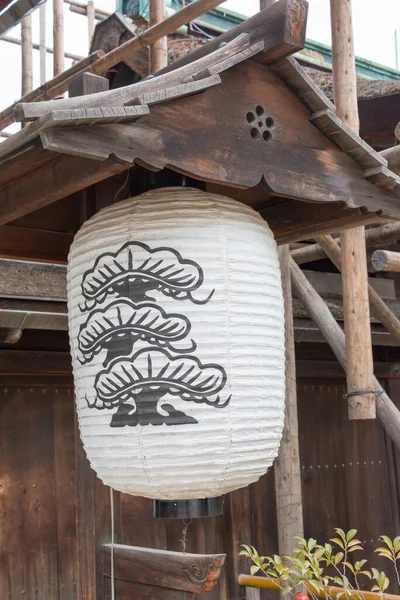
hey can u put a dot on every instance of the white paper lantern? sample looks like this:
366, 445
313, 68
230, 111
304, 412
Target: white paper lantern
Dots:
177, 333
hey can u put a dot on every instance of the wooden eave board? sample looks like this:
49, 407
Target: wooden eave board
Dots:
209, 137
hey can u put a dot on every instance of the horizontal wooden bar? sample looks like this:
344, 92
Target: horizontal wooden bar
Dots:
25, 243
33, 362
272, 584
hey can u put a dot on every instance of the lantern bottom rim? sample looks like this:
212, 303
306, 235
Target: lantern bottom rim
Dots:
188, 509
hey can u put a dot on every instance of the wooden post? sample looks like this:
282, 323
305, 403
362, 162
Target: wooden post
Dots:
158, 52
26, 55
266, 3
287, 465
42, 43
362, 405
387, 412
58, 36
90, 17
378, 307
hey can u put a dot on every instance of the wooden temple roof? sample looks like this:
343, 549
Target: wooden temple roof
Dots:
238, 113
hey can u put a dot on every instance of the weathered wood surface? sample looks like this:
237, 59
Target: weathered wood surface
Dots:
289, 506
193, 573
282, 33
301, 83
359, 359
378, 307
87, 83
37, 502
165, 135
292, 220
387, 412
392, 155
339, 461
15, 12
173, 93
25, 362
50, 89
32, 280
59, 178
336, 129
384, 260
73, 117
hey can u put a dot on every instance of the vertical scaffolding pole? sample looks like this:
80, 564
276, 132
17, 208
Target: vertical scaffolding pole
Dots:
90, 17
26, 56
158, 52
287, 466
360, 382
58, 37
42, 43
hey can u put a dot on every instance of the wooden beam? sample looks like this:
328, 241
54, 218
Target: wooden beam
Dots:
56, 179
25, 362
375, 236
193, 573
15, 12
384, 260
158, 52
42, 43
52, 88
30, 280
378, 307
282, 33
325, 369
392, 155
287, 469
26, 56
58, 37
354, 262
387, 412
24, 243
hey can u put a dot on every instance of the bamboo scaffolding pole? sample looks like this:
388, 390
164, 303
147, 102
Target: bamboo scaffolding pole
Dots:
287, 468
81, 9
99, 63
387, 412
361, 403
384, 260
333, 591
158, 52
58, 37
42, 43
378, 307
91, 18
374, 237
26, 56
49, 50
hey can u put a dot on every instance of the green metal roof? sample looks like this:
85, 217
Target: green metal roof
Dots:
221, 19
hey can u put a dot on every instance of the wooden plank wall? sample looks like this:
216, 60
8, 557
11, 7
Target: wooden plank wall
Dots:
350, 471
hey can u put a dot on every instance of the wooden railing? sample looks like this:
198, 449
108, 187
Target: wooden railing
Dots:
254, 581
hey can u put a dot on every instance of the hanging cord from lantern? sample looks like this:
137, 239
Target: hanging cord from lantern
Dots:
112, 544
121, 189
184, 534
